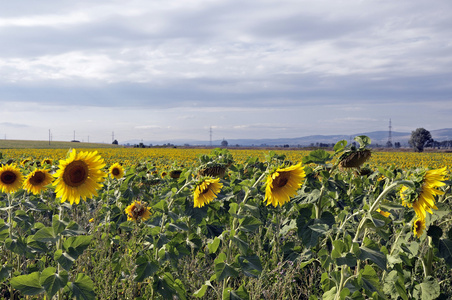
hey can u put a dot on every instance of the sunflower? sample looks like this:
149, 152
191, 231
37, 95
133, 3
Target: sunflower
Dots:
419, 227
138, 211
116, 171
47, 161
10, 179
37, 180
79, 176
283, 183
206, 190
422, 197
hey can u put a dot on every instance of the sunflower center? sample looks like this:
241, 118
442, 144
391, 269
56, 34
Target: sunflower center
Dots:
75, 173
8, 177
115, 171
37, 178
205, 190
281, 180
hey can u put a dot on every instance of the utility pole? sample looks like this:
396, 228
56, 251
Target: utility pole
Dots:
49, 136
112, 136
390, 133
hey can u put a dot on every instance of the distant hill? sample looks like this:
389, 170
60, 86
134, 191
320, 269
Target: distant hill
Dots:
377, 137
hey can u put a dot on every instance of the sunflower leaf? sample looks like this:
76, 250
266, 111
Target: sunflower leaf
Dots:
82, 287
52, 281
27, 284
145, 268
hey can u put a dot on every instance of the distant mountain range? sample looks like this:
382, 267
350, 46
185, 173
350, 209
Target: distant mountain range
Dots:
377, 137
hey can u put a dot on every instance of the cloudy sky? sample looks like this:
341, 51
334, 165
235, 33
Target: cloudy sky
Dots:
165, 70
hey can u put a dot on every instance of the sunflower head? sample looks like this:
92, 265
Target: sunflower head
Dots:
206, 190
47, 161
116, 171
79, 176
419, 227
421, 197
283, 183
36, 181
10, 179
138, 211
175, 174
354, 158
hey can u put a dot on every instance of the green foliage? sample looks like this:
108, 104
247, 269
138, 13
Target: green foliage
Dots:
329, 242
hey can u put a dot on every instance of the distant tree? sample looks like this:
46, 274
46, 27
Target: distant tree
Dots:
388, 144
397, 145
224, 143
115, 142
419, 139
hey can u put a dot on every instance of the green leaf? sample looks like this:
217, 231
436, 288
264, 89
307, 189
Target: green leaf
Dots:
349, 260
73, 229
201, 292
213, 245
145, 268
318, 156
52, 281
75, 245
5, 271
27, 284
224, 270
241, 244
250, 265
375, 256
339, 248
168, 287
362, 140
57, 225
340, 146
64, 259
331, 294
429, 289
46, 234
82, 287
395, 286
249, 224
370, 279
240, 294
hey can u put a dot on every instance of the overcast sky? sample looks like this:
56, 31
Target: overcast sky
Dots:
166, 70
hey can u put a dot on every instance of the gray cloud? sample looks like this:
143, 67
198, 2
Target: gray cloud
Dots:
228, 54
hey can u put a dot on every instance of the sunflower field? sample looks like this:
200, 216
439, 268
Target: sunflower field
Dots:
130, 223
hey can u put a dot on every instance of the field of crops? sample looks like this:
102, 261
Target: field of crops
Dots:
169, 223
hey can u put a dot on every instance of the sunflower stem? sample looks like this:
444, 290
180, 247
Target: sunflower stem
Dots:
428, 259
318, 204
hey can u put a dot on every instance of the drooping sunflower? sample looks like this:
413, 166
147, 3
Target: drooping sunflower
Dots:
206, 190
138, 211
10, 179
79, 176
116, 171
419, 227
283, 183
422, 197
36, 181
